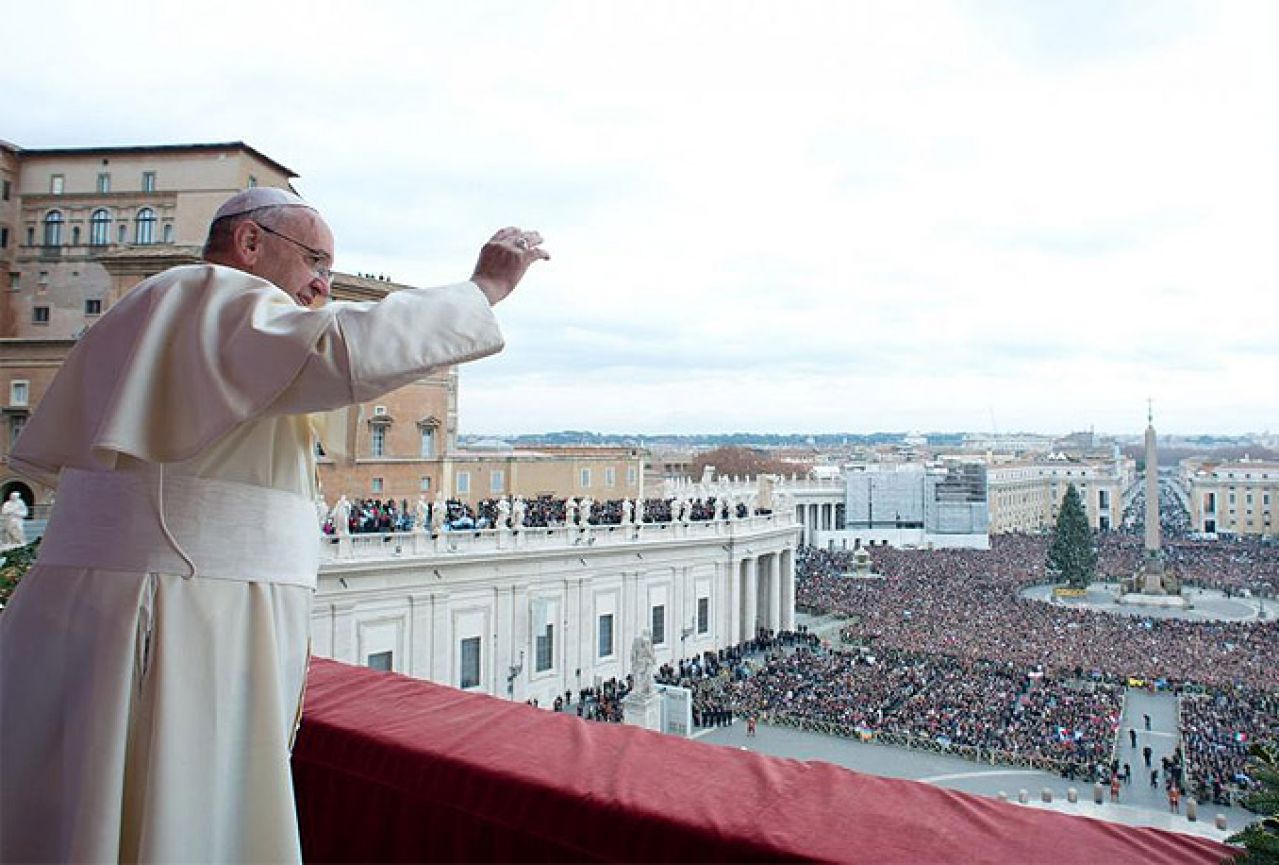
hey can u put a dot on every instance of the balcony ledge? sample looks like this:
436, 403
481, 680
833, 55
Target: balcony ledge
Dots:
393, 769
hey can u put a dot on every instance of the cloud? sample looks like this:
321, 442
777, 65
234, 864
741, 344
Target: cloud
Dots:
801, 216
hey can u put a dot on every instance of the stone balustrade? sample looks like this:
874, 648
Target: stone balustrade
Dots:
399, 545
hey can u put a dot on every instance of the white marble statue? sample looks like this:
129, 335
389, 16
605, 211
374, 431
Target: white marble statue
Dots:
439, 510
421, 513
677, 510
628, 512
503, 513
341, 516
14, 511
570, 512
643, 663
518, 512
584, 512
721, 508
686, 512
321, 510
639, 511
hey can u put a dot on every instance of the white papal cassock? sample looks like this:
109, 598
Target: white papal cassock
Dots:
152, 662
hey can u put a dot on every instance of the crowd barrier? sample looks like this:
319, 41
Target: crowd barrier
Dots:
913, 742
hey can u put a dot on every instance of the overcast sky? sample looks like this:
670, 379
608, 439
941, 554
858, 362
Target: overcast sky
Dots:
784, 216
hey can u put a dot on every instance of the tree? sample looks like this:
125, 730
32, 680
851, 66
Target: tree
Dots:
743, 462
1262, 837
1071, 557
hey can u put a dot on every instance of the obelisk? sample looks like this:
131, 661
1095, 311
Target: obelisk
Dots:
1153, 567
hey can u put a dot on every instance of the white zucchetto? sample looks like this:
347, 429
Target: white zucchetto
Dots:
256, 198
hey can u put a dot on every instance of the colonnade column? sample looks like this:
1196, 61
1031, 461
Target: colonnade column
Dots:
775, 592
788, 590
752, 599
734, 602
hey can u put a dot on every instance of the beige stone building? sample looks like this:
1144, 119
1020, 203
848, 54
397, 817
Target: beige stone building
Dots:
1237, 497
1024, 496
80, 227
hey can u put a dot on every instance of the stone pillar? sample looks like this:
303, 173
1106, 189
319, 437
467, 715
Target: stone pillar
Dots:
418, 660
775, 591
752, 598
734, 602
643, 710
788, 590
441, 634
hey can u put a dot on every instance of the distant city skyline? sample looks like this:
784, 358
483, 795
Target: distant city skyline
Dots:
982, 216
1205, 439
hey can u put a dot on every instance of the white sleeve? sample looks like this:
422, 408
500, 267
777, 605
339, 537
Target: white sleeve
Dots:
372, 348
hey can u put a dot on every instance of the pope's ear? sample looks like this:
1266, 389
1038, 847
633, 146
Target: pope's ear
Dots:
246, 239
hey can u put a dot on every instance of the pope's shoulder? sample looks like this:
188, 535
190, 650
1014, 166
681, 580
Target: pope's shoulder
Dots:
205, 278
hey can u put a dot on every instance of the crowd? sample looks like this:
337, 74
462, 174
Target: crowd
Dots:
369, 516
373, 515
987, 709
1217, 728
965, 603
1233, 566
964, 606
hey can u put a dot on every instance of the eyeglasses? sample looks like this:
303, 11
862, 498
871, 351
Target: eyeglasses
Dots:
317, 256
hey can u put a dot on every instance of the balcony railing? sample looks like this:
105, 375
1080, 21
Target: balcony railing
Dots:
393, 545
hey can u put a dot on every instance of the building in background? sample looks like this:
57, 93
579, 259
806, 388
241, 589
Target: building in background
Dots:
80, 227
1026, 494
1236, 497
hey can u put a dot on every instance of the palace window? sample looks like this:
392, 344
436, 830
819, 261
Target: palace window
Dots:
100, 227
427, 443
424, 484
57, 183
16, 423
377, 443
144, 227
545, 649
19, 393
585, 477
104, 182
463, 483
381, 661
610, 477
659, 624
469, 674
497, 481
148, 181
93, 306
39, 315
703, 615
606, 635
378, 485
53, 228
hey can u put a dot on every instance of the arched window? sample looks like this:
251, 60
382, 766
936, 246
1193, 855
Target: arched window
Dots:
100, 227
144, 227
53, 228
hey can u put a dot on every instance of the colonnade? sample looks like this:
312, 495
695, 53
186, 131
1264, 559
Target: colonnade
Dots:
819, 517
761, 594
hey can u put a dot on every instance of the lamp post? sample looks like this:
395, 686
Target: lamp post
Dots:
512, 674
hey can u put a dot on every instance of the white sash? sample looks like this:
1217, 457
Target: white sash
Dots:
215, 529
